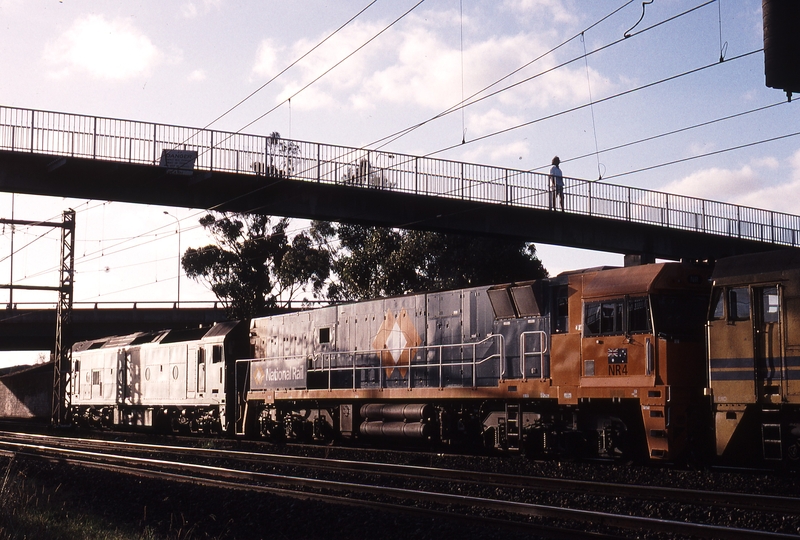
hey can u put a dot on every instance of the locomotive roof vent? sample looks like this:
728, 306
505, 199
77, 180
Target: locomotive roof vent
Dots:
501, 302
527, 298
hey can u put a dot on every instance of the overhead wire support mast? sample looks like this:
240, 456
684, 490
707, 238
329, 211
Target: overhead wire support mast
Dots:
62, 357
63, 354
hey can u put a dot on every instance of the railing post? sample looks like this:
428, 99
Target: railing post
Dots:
666, 212
416, 176
33, 127
319, 163
410, 374
628, 207
474, 366
508, 195
772, 226
94, 140
739, 221
211, 151
463, 191
155, 137
589, 186
703, 209
441, 381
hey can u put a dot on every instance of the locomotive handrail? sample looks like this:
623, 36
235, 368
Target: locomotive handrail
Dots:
523, 354
372, 355
118, 140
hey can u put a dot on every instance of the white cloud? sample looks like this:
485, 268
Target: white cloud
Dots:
417, 65
515, 150
197, 75
267, 59
190, 10
489, 122
556, 10
104, 49
759, 184
698, 148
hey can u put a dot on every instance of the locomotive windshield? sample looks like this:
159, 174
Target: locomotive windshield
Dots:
680, 317
617, 317
674, 316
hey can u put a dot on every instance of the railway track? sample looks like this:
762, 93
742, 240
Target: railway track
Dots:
545, 506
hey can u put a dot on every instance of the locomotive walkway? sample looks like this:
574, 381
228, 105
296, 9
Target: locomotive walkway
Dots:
68, 155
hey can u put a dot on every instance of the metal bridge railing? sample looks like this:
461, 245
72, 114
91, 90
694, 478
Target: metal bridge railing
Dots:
108, 139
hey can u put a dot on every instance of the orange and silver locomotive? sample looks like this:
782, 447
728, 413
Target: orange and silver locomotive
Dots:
605, 362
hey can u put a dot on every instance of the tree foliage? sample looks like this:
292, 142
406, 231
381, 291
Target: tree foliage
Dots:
253, 266
374, 262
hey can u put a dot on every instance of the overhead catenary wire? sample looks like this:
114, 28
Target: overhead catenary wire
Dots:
591, 108
648, 85
713, 153
636, 33
290, 66
334, 66
667, 133
455, 107
465, 102
484, 97
607, 98
309, 84
470, 101
596, 145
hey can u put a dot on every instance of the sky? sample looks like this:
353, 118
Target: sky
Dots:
572, 85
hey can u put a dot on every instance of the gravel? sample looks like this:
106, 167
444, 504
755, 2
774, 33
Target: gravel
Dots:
144, 508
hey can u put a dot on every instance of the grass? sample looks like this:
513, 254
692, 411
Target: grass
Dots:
37, 506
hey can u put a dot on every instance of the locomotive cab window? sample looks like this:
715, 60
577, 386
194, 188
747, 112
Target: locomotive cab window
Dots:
717, 312
770, 304
216, 354
604, 318
680, 317
560, 309
739, 304
639, 316
617, 317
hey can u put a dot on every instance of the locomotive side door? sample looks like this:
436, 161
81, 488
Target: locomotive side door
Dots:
730, 346
191, 371
768, 342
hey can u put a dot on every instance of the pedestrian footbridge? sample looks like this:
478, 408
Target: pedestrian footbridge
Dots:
69, 155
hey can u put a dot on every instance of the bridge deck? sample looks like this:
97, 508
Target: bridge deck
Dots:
71, 155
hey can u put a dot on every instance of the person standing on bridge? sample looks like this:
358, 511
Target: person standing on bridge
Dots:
556, 185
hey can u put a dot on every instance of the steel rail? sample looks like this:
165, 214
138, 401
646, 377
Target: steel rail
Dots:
539, 529
743, 501
472, 502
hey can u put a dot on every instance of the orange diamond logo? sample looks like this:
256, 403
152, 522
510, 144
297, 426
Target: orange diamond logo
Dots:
395, 339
